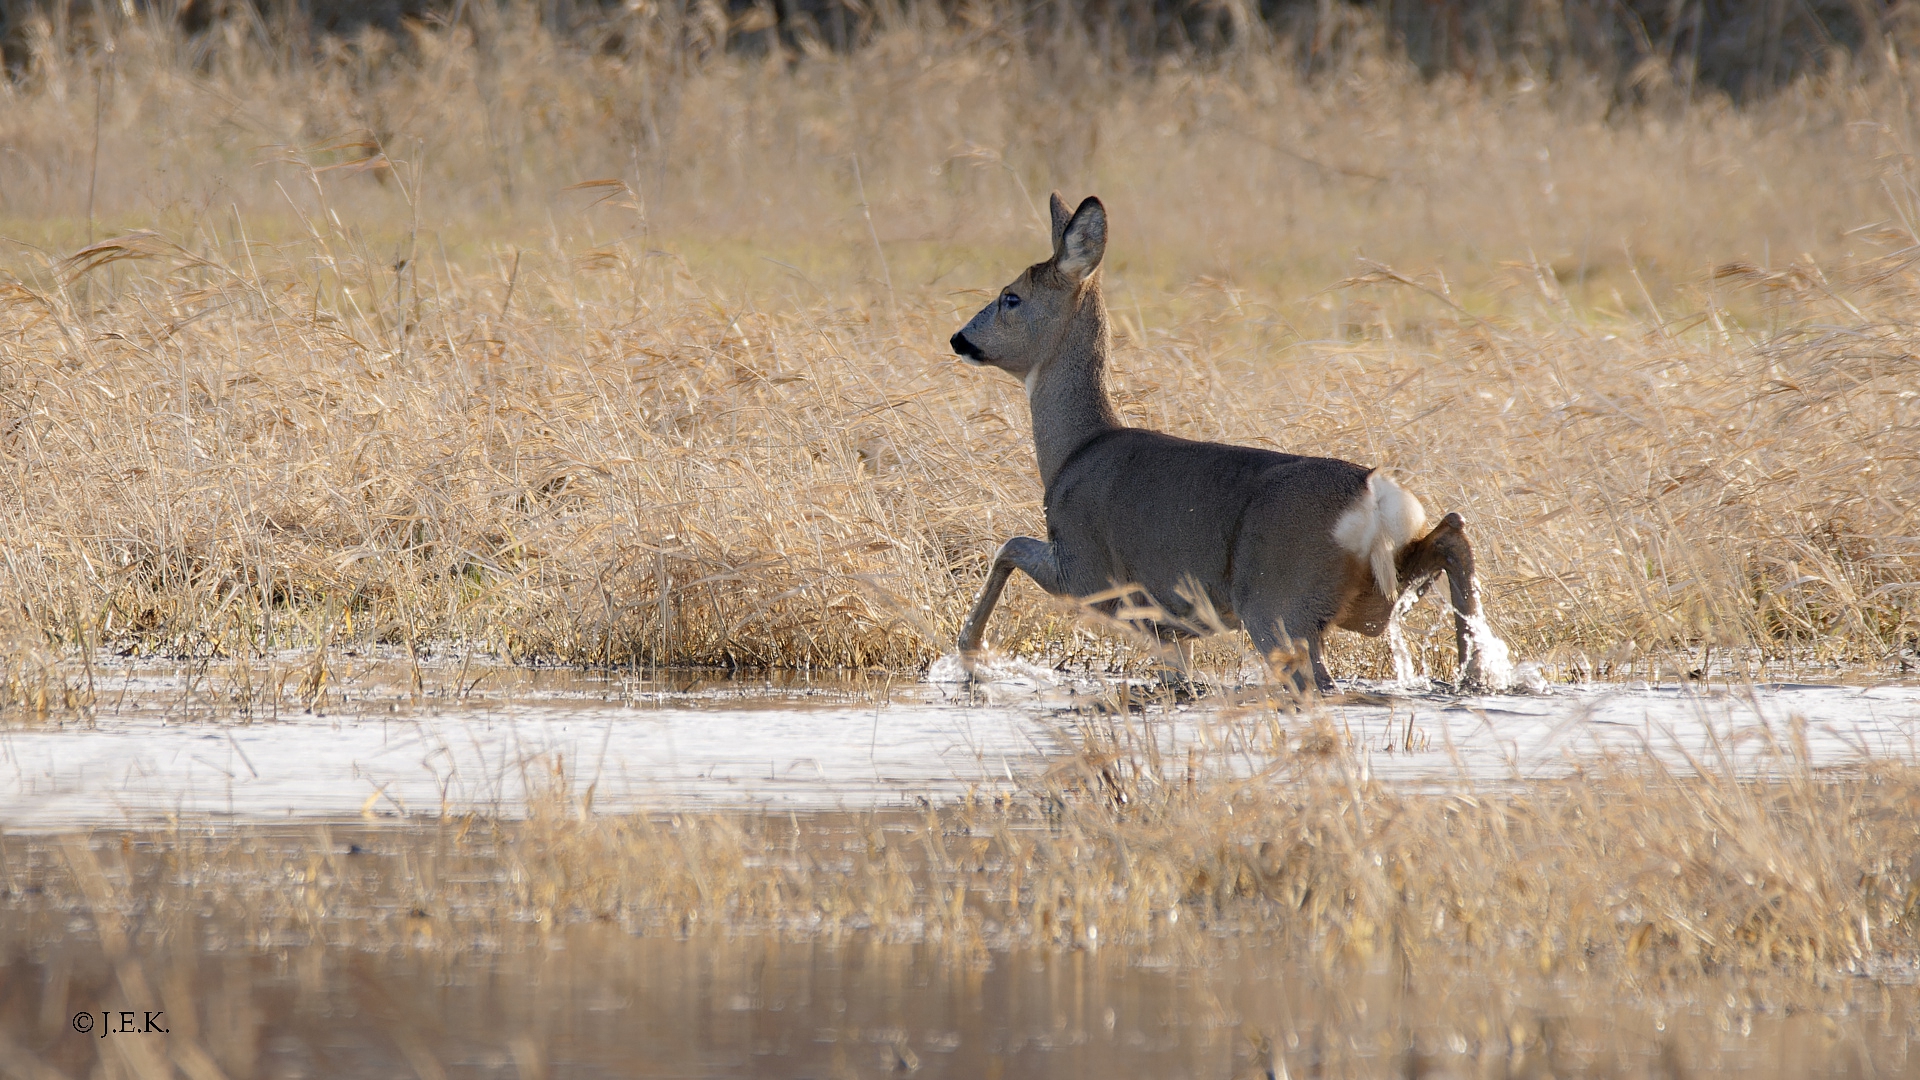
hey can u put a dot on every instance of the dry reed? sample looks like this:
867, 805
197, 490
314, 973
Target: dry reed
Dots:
1693, 894
505, 345
492, 342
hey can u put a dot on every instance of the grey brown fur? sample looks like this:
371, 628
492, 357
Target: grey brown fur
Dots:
1251, 531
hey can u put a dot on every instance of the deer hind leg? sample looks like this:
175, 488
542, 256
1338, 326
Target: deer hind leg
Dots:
1036, 558
1276, 641
1175, 669
1446, 550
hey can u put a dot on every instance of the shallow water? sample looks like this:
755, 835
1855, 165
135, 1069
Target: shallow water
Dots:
592, 1002
167, 741
391, 950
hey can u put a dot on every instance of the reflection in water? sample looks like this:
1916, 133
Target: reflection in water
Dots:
389, 951
497, 947
592, 1002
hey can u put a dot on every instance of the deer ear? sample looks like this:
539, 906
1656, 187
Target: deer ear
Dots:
1083, 240
1061, 215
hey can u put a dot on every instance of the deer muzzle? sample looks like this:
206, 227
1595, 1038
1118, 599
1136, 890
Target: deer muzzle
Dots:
967, 349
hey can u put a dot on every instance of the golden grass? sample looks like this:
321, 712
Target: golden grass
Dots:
599, 358
1479, 919
339, 350
1626, 875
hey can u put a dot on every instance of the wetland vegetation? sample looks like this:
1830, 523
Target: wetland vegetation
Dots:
621, 343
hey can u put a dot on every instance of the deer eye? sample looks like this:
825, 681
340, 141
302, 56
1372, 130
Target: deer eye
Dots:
1010, 301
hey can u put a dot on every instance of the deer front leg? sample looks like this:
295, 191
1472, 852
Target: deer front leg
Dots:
1034, 557
1446, 550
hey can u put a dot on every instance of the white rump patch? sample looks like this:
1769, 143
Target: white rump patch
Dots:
1386, 519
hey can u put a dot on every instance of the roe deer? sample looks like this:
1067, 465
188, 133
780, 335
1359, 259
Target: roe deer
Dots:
1216, 535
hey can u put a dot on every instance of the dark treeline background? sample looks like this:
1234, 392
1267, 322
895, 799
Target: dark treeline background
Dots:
1744, 48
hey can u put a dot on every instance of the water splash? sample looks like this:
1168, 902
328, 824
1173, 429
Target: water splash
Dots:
990, 667
1403, 673
950, 668
1485, 648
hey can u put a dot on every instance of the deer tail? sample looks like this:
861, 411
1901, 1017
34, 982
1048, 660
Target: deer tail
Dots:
1385, 519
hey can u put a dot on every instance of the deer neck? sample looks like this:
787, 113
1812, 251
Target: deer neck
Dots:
1068, 393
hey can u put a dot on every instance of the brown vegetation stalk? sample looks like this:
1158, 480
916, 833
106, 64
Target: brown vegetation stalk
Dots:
489, 342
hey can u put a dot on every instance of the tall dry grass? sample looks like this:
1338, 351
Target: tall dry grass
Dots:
478, 338
1624, 874
1483, 926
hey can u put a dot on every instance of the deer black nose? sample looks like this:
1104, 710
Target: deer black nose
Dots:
966, 348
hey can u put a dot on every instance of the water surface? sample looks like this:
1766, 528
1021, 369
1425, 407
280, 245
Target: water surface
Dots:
167, 741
